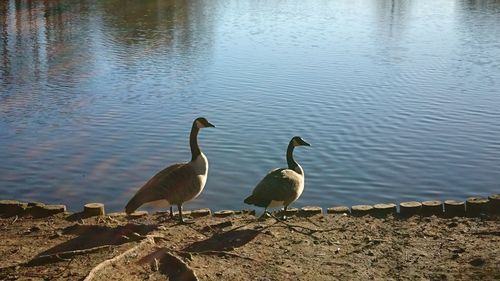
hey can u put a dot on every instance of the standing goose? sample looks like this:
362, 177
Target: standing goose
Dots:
280, 187
177, 183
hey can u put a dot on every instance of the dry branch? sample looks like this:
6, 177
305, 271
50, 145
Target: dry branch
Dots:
64, 256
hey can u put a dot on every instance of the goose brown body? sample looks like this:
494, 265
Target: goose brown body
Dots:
279, 187
282, 186
177, 183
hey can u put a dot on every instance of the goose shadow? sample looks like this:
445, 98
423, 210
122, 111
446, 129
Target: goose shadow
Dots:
226, 241
91, 237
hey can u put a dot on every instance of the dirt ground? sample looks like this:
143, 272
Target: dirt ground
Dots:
321, 247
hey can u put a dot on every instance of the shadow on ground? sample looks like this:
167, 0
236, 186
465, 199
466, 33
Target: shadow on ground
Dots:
226, 241
90, 238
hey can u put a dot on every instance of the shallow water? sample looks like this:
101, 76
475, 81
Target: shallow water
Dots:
399, 99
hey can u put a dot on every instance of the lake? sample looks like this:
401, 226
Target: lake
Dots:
400, 100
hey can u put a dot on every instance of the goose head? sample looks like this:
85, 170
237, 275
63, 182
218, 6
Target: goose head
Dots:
202, 122
298, 141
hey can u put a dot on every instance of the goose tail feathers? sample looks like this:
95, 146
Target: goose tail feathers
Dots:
132, 205
250, 200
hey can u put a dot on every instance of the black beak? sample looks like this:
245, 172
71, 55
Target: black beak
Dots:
305, 143
210, 125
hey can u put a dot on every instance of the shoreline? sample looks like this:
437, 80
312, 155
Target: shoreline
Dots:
471, 207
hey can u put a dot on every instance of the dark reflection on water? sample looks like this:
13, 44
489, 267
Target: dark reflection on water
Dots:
398, 98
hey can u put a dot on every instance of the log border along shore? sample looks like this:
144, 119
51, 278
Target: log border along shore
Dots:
472, 207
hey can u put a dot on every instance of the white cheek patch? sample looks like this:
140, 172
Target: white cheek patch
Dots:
295, 143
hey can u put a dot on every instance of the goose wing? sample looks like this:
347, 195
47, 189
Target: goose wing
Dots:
170, 184
277, 185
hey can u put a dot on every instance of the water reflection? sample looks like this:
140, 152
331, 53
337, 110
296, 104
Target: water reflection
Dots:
60, 44
158, 26
5, 65
484, 5
392, 16
162, 37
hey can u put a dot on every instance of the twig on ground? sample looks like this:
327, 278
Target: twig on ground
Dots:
64, 255
66, 267
494, 233
94, 273
217, 253
312, 222
311, 231
197, 230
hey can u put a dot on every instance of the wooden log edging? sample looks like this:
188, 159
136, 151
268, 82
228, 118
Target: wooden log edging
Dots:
223, 213
361, 210
93, 210
10, 208
472, 207
494, 204
454, 208
339, 210
410, 208
310, 211
432, 208
476, 206
384, 209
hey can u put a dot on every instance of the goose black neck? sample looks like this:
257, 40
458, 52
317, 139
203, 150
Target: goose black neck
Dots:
193, 142
289, 157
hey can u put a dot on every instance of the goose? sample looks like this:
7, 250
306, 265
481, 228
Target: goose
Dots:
282, 186
179, 182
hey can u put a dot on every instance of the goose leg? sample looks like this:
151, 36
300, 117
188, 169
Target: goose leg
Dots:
171, 212
268, 214
284, 217
181, 219
265, 215
179, 207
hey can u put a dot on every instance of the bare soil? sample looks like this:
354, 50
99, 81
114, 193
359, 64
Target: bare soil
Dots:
321, 247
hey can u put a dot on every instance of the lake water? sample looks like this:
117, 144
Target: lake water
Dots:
400, 100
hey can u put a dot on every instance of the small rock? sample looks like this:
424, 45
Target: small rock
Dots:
458, 250
452, 224
56, 234
189, 257
477, 261
34, 228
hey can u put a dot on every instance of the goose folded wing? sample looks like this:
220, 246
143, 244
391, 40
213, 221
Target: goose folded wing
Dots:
160, 177
166, 179
278, 185
177, 184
